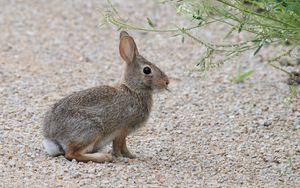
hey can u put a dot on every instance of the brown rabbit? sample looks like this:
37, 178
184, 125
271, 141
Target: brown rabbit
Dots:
79, 125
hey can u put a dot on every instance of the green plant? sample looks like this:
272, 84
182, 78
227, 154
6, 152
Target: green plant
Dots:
241, 75
293, 93
268, 21
290, 162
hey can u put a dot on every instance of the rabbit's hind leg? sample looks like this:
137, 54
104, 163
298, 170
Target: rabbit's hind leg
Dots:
81, 153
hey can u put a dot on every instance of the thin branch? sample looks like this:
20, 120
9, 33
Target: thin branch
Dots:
270, 62
256, 14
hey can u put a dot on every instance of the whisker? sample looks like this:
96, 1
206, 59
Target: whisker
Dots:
168, 90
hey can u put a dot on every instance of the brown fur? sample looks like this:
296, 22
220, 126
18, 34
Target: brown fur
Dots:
80, 124
119, 145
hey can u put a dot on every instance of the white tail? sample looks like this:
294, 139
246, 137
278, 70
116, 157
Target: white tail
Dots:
52, 147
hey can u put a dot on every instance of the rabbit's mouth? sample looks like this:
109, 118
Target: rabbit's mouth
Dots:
167, 89
161, 89
162, 84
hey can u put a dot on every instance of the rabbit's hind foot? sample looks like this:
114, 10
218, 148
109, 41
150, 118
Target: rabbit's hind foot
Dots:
83, 154
86, 157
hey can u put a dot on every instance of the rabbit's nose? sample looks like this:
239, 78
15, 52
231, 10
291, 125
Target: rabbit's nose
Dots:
167, 81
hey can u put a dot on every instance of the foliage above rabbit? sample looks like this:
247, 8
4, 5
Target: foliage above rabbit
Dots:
79, 125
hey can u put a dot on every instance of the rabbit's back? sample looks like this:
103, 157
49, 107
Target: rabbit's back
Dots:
96, 110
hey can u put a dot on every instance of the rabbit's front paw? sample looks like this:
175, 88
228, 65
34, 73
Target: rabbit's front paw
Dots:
128, 155
116, 153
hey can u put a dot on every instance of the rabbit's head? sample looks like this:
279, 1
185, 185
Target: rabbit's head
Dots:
139, 73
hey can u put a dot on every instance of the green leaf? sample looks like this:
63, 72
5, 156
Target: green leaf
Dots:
247, 74
241, 27
242, 76
151, 23
258, 49
256, 40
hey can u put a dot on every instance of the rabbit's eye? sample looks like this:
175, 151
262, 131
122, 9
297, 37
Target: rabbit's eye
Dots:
147, 70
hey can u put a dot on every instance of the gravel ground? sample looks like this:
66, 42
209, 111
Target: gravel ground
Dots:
205, 133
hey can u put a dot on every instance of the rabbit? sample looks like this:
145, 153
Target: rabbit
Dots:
79, 125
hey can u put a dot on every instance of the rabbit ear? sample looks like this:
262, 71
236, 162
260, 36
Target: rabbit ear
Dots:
127, 47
